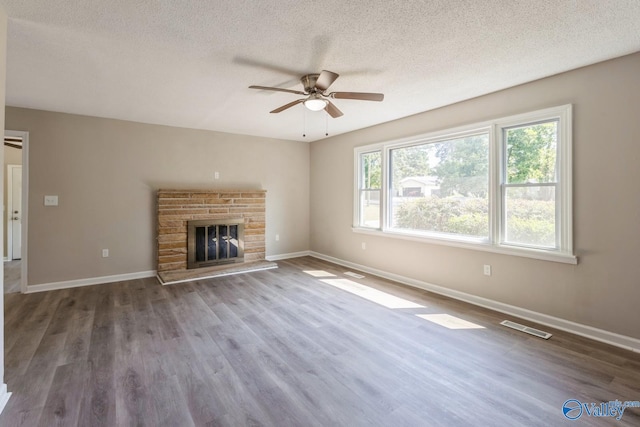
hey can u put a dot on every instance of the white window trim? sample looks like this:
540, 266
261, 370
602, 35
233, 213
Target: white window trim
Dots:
494, 128
358, 184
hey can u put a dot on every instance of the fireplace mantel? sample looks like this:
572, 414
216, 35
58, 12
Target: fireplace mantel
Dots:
177, 207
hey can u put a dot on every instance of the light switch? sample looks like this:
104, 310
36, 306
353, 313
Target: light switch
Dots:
51, 200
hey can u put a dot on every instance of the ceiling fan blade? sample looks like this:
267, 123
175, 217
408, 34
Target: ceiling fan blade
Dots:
326, 79
358, 95
289, 105
333, 110
267, 66
278, 89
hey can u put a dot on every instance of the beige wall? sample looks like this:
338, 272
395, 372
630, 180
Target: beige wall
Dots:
12, 156
106, 173
603, 291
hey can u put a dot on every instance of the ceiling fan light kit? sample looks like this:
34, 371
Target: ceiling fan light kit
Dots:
315, 87
315, 103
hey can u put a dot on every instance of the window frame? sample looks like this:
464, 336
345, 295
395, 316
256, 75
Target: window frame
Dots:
497, 189
357, 219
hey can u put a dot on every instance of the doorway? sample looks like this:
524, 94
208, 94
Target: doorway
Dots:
15, 211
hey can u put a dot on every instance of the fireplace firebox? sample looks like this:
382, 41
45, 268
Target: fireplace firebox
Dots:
215, 241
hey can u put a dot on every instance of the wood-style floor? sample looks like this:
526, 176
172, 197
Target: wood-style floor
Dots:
12, 276
283, 348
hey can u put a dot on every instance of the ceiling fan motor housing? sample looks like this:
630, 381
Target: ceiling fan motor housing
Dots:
309, 82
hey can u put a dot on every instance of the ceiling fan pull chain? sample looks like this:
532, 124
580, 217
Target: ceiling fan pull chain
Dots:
304, 122
326, 125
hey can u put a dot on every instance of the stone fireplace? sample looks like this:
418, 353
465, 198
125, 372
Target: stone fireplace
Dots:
227, 227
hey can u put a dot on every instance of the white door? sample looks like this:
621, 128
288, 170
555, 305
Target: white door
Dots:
16, 211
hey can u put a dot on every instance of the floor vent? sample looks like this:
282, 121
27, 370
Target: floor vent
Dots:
531, 331
352, 274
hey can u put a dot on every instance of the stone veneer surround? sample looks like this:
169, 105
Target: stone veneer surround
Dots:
176, 207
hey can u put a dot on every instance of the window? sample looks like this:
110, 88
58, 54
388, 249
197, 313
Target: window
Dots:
453, 175
502, 186
370, 184
529, 185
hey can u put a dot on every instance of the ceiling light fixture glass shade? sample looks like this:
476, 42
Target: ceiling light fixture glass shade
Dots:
315, 103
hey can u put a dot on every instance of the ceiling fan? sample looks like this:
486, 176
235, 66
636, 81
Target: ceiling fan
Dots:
317, 98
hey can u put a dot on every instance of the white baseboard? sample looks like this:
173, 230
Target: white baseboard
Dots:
4, 397
89, 281
6, 259
623, 341
287, 256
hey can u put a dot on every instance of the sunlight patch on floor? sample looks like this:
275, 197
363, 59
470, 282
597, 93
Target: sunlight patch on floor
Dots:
374, 295
449, 321
352, 274
319, 273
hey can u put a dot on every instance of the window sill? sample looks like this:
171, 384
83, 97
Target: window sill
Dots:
473, 245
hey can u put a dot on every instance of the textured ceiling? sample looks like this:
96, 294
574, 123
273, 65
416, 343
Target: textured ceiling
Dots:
189, 63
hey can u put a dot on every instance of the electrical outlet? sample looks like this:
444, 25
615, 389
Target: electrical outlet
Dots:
364, 245
216, 175
487, 270
277, 237
105, 253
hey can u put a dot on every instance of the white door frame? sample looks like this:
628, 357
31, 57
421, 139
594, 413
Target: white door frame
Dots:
10, 208
25, 204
